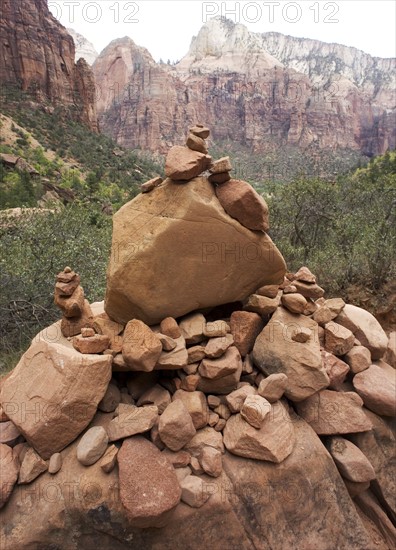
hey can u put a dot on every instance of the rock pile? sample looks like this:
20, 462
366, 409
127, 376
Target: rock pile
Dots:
279, 388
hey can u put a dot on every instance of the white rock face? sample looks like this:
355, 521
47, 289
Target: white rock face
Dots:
225, 46
222, 45
84, 48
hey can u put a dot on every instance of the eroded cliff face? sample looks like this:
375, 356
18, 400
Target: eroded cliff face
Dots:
261, 90
37, 55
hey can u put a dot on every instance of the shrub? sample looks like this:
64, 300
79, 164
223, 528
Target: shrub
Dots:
33, 248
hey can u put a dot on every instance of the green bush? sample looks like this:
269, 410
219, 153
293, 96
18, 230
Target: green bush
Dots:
33, 249
344, 231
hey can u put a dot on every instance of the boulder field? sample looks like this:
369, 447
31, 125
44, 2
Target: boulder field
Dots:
219, 403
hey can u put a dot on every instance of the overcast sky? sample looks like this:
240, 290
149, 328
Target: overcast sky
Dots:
165, 28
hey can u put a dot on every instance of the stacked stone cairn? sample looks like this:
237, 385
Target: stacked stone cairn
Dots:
165, 397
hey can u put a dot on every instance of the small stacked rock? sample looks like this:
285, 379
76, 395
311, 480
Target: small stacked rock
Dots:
220, 170
69, 297
151, 184
186, 163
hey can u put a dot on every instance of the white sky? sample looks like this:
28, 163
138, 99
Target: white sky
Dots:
165, 28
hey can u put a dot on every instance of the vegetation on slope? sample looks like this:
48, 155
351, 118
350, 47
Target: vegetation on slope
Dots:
66, 154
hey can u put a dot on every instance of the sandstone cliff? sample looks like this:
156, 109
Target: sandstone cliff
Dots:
37, 55
263, 90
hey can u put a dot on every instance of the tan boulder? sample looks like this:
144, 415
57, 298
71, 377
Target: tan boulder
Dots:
305, 275
168, 343
245, 327
273, 387
54, 391
227, 364
179, 459
216, 347
309, 290
71, 326
109, 459
276, 352
221, 165
131, 421
335, 368
378, 445
141, 347
196, 404
206, 437
336, 305
350, 461
358, 359
242, 202
223, 411
175, 426
262, 305
196, 354
302, 334
273, 441
55, 463
223, 385
111, 399
254, 410
377, 387
91, 344
9, 469
32, 466
270, 291
236, 398
149, 489
338, 339
156, 395
150, 185
177, 358
184, 164
366, 329
72, 306
215, 329
211, 461
169, 327
92, 445
192, 328
225, 260
9, 433
200, 130
223, 177
331, 412
296, 303
193, 491
195, 143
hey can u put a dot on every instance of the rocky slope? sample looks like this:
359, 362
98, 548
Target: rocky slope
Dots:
37, 54
261, 90
84, 48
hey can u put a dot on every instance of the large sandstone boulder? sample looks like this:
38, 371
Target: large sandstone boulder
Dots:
53, 393
377, 387
176, 234
366, 328
273, 441
149, 489
275, 352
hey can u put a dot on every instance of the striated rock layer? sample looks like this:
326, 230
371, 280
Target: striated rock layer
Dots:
37, 55
261, 90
